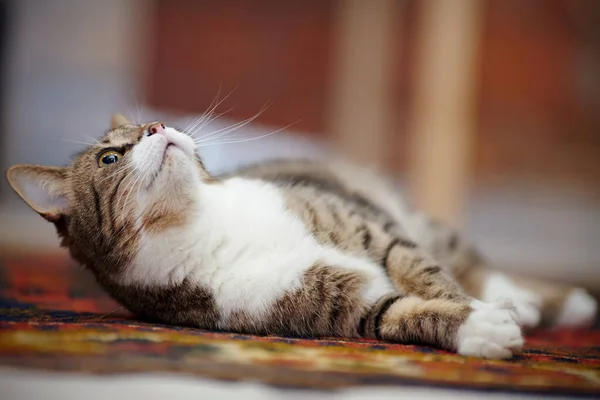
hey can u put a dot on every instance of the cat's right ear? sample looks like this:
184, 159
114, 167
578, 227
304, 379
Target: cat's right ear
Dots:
118, 120
44, 189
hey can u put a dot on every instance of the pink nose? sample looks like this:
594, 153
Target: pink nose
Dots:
157, 127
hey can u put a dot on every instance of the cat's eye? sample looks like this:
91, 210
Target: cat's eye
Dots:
109, 157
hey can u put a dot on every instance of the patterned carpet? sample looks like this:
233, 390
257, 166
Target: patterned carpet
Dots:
53, 316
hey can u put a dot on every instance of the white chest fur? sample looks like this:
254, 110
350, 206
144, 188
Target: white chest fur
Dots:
245, 246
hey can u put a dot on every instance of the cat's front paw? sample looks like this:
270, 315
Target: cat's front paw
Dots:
490, 331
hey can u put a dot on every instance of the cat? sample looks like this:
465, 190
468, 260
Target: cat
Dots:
292, 247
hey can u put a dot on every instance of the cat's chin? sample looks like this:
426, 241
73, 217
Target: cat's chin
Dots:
176, 167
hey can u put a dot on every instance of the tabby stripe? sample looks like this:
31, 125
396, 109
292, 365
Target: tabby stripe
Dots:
334, 238
431, 270
408, 244
453, 242
420, 322
362, 324
313, 217
387, 252
336, 304
319, 295
388, 226
439, 327
334, 216
382, 310
99, 219
366, 240
111, 204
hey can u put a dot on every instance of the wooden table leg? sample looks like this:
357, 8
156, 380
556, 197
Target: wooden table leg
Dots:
442, 122
361, 89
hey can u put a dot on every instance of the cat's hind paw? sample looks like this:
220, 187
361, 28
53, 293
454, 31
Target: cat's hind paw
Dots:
529, 309
490, 331
527, 303
578, 311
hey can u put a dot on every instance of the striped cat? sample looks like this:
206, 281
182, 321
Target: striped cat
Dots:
286, 247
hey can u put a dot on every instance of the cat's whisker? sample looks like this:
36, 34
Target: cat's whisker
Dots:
210, 112
94, 140
246, 139
137, 106
130, 170
196, 121
229, 129
207, 112
129, 111
130, 188
193, 129
127, 188
139, 113
232, 127
75, 141
226, 137
138, 184
117, 172
206, 121
212, 118
110, 312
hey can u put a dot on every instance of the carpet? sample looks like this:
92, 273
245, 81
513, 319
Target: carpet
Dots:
53, 316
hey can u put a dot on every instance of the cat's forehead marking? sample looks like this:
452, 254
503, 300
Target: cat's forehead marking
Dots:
121, 136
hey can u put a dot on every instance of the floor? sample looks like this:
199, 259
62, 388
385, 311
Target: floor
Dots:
19, 385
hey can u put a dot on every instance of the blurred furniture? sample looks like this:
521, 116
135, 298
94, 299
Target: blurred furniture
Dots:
442, 122
360, 114
492, 92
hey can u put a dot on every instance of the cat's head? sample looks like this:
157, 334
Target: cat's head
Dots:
136, 180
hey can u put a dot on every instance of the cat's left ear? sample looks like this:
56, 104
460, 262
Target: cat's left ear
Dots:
44, 189
118, 120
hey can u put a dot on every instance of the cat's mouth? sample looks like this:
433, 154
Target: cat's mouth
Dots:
163, 153
171, 146
167, 147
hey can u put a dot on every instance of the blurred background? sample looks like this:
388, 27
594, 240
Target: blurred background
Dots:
486, 112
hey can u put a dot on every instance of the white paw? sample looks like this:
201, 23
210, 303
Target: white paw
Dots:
579, 310
491, 331
528, 309
527, 303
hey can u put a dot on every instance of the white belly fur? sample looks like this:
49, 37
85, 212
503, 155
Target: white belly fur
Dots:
246, 247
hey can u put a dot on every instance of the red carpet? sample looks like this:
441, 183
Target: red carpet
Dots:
53, 316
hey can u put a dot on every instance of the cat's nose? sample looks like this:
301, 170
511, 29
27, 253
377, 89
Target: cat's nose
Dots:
157, 127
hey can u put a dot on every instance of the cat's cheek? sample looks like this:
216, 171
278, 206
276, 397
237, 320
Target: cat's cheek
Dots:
147, 156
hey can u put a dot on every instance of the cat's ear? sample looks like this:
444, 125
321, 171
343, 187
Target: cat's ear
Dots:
118, 120
44, 189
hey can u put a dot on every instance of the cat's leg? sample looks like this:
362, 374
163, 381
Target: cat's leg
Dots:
415, 272
478, 329
537, 301
438, 311
355, 299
